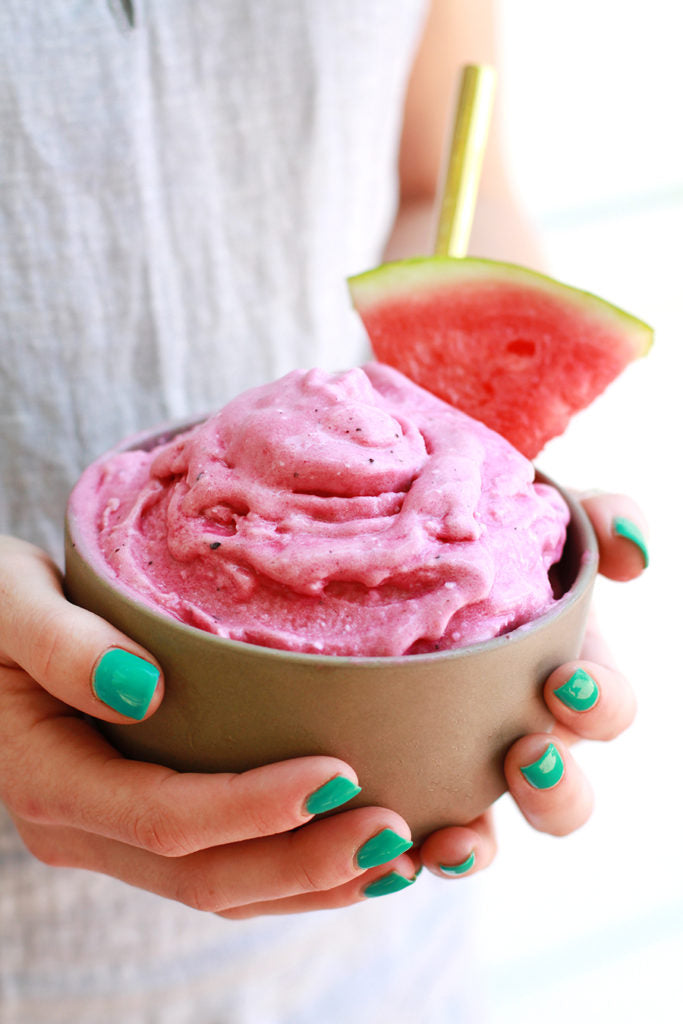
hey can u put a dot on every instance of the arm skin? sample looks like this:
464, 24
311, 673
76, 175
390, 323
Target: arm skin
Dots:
457, 32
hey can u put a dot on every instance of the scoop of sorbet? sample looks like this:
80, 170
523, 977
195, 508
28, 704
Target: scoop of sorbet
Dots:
344, 514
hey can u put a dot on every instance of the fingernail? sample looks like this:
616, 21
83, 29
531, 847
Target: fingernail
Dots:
624, 527
580, 692
381, 848
125, 682
547, 771
458, 869
393, 882
332, 794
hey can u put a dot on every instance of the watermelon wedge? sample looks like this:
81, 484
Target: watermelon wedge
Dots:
511, 347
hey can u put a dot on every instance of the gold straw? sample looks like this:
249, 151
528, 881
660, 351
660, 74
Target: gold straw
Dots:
468, 142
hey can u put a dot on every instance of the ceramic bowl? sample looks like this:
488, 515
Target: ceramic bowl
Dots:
427, 734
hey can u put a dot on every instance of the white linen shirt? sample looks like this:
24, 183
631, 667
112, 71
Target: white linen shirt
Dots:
180, 204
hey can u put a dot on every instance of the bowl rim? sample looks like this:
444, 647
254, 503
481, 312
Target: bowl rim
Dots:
146, 439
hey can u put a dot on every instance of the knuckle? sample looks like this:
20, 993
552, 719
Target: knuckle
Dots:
194, 890
262, 818
310, 881
49, 639
310, 877
155, 830
271, 821
256, 822
28, 804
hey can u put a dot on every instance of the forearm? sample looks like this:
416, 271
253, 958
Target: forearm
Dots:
457, 32
501, 231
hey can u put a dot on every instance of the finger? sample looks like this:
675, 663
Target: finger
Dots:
456, 852
546, 783
73, 654
403, 873
592, 700
316, 859
622, 534
59, 771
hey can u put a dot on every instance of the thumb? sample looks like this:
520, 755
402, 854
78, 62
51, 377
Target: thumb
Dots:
74, 655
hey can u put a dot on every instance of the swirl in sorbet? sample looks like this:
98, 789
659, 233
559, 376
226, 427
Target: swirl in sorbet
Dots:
345, 514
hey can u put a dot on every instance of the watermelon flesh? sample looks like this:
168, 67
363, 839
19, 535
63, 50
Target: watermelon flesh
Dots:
515, 349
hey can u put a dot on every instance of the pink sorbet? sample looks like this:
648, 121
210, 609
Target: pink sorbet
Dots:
346, 514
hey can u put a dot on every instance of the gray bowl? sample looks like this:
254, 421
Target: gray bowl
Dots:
427, 734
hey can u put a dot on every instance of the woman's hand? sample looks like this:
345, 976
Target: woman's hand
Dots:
232, 844
226, 843
589, 699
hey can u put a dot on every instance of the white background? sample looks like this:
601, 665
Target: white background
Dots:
590, 927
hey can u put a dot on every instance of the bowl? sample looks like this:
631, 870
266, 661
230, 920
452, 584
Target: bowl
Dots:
427, 734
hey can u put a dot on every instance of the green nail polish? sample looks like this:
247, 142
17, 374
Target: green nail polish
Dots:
458, 869
393, 882
547, 771
624, 527
580, 692
381, 848
125, 682
332, 794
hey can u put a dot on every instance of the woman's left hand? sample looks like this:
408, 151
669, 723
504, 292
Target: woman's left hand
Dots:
589, 699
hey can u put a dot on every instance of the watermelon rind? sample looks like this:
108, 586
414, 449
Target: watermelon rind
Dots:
421, 274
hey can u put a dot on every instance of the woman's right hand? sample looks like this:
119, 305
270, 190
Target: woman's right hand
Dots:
227, 843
